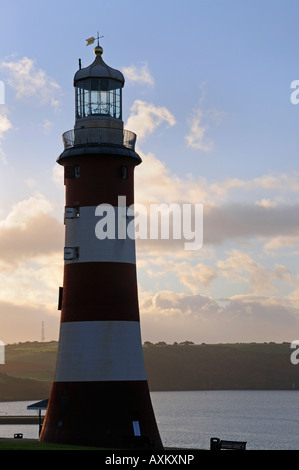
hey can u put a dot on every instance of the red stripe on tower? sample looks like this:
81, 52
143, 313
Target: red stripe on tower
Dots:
100, 393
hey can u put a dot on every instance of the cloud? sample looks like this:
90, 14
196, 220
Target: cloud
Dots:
31, 268
278, 242
266, 310
29, 81
46, 126
5, 125
275, 224
146, 117
170, 316
41, 235
31, 182
265, 203
244, 221
25, 210
271, 312
169, 303
197, 135
236, 270
32, 283
282, 181
154, 181
194, 277
29, 231
199, 124
58, 175
139, 74
275, 227
239, 267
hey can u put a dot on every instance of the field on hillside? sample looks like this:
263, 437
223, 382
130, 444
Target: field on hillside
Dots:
32, 360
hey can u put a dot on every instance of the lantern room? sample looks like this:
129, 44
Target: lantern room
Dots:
98, 91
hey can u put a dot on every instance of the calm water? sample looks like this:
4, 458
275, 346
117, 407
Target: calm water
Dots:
266, 420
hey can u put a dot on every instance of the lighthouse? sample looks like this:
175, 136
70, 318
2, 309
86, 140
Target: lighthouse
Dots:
100, 395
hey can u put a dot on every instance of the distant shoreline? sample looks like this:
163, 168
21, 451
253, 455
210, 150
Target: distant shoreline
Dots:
20, 420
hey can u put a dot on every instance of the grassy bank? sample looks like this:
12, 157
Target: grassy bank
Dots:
31, 445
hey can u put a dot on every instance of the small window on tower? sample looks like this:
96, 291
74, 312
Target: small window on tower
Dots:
71, 253
77, 171
124, 172
72, 171
71, 212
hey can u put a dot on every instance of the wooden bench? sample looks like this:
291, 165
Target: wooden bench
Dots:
218, 444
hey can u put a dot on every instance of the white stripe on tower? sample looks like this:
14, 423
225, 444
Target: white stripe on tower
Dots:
82, 243
83, 343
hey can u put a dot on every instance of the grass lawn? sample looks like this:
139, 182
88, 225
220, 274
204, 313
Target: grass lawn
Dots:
29, 445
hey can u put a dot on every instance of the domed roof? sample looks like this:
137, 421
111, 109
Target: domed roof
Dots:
98, 69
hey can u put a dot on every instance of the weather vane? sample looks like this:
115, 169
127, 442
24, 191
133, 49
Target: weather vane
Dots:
92, 40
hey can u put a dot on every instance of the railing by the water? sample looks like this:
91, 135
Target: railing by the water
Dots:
98, 136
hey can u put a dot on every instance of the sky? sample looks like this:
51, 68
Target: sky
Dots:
210, 91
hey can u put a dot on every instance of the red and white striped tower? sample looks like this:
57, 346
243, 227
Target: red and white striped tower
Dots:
100, 392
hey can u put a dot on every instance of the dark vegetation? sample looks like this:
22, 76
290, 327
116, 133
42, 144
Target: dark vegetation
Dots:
239, 366
29, 368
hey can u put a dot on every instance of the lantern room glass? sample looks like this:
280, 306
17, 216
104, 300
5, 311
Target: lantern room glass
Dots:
98, 97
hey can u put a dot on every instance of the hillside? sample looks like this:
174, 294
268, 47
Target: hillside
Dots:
29, 368
28, 371
221, 367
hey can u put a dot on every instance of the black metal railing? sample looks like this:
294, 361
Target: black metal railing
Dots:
98, 136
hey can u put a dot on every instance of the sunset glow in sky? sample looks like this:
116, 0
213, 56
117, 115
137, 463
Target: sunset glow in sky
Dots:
208, 93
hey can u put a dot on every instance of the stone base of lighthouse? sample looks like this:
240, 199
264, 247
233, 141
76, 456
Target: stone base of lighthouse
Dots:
101, 414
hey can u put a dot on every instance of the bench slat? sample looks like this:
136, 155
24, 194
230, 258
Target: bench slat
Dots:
218, 444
